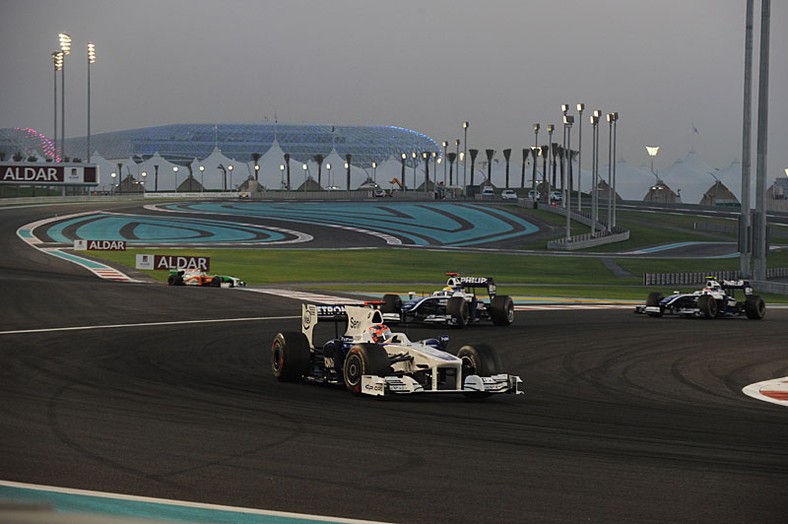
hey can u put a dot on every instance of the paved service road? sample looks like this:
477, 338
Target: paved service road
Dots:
625, 418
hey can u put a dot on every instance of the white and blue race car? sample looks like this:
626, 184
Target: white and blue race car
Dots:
456, 305
369, 359
716, 299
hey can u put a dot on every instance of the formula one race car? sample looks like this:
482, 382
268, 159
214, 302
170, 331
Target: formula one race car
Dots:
369, 359
456, 304
200, 278
717, 299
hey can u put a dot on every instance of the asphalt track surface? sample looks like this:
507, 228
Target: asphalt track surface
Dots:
625, 418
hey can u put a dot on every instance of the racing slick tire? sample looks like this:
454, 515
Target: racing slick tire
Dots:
479, 360
391, 304
754, 307
216, 282
290, 356
457, 310
653, 300
708, 306
175, 280
502, 310
364, 359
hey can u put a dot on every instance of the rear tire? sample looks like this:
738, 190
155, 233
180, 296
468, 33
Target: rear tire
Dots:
754, 307
457, 310
290, 356
708, 306
502, 310
175, 280
392, 304
364, 359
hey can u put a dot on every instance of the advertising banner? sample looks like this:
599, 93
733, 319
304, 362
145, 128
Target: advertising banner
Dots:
99, 245
48, 174
167, 262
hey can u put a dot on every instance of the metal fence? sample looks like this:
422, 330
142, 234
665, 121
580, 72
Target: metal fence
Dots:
697, 277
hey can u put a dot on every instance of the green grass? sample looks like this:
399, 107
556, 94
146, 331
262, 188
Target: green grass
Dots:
422, 270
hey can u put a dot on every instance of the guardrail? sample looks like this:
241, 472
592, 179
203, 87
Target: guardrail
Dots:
697, 277
586, 240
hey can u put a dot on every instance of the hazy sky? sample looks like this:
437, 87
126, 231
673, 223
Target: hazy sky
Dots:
427, 65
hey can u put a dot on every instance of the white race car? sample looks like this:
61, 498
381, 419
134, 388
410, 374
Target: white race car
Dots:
369, 359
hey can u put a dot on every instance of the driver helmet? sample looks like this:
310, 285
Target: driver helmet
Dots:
379, 333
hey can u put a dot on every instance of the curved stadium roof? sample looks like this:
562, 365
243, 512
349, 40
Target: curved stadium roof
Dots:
181, 143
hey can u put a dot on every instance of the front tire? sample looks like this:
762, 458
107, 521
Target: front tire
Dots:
502, 310
479, 360
216, 282
364, 359
457, 310
290, 356
754, 307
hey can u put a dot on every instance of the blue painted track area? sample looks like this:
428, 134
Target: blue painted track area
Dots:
421, 224
143, 229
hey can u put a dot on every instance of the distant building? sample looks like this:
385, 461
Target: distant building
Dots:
719, 195
660, 192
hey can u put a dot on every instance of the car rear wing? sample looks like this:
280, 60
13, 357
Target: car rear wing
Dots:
737, 284
349, 314
473, 282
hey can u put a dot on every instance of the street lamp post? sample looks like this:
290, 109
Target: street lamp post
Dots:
580, 108
282, 176
57, 60
306, 173
610, 160
426, 156
65, 48
91, 60
652, 152
202, 178
256, 157
230, 168
155, 177
175, 170
568, 121
374, 172
452, 157
445, 145
551, 155
348, 165
113, 175
330, 180
594, 171
403, 157
533, 154
465, 157
615, 129
415, 157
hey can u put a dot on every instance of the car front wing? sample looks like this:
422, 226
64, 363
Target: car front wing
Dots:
405, 385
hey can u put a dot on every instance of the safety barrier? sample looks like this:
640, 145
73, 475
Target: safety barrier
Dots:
697, 277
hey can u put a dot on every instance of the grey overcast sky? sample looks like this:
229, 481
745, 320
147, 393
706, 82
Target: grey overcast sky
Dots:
427, 65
